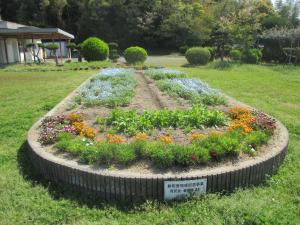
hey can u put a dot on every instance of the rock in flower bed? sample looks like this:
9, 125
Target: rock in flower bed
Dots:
194, 90
164, 73
111, 87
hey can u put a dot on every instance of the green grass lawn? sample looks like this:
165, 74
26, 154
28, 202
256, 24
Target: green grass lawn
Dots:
25, 198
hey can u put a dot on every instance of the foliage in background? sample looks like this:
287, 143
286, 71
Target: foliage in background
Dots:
94, 49
135, 55
235, 54
113, 51
198, 56
252, 56
166, 24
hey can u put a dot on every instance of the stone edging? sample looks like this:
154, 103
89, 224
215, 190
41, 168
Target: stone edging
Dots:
115, 185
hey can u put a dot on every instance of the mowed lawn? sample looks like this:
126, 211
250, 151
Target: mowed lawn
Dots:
25, 198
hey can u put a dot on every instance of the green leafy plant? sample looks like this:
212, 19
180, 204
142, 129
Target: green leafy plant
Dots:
235, 54
130, 122
94, 49
252, 56
198, 56
135, 55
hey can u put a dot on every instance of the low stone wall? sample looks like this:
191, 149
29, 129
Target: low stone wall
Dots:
118, 185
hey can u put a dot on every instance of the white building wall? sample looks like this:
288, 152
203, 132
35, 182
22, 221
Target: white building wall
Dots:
14, 53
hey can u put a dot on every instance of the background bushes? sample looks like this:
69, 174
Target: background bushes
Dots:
94, 49
135, 55
198, 56
235, 54
252, 56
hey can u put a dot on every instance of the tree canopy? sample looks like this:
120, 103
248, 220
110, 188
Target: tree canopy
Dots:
158, 23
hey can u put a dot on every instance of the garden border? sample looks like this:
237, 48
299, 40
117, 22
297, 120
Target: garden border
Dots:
114, 185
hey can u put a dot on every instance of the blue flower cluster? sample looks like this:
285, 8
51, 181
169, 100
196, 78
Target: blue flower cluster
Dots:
191, 84
164, 73
111, 87
194, 90
111, 72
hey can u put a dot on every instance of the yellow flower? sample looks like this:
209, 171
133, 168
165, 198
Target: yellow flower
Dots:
74, 117
88, 133
141, 137
196, 136
166, 139
78, 126
115, 139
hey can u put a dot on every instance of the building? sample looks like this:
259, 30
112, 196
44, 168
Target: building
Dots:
14, 40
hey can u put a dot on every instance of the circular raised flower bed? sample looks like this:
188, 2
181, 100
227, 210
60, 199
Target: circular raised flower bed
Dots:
140, 181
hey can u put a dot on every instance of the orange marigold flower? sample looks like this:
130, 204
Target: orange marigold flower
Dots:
88, 133
196, 136
74, 117
239, 112
115, 139
166, 139
78, 126
141, 137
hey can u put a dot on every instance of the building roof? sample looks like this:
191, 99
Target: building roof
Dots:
14, 30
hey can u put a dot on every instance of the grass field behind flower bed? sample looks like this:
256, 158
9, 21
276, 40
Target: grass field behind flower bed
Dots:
27, 199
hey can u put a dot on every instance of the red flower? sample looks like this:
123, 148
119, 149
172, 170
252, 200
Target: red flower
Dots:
194, 158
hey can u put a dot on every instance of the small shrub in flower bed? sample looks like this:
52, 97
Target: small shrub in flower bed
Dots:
158, 74
130, 122
194, 90
111, 87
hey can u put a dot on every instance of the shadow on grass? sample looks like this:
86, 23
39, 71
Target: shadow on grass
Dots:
66, 191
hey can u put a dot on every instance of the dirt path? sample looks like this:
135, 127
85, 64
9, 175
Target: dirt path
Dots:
148, 96
145, 97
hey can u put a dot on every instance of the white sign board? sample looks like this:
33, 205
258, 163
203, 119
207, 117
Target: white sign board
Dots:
184, 188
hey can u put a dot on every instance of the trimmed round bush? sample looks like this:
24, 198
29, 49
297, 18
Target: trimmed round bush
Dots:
235, 54
135, 55
52, 46
252, 56
94, 49
198, 56
71, 45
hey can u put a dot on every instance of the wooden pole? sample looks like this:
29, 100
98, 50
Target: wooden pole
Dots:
33, 49
60, 50
70, 53
6, 52
24, 51
19, 49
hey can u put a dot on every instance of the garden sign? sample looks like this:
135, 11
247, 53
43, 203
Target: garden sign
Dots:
184, 188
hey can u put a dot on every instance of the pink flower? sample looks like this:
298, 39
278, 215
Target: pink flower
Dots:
194, 158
